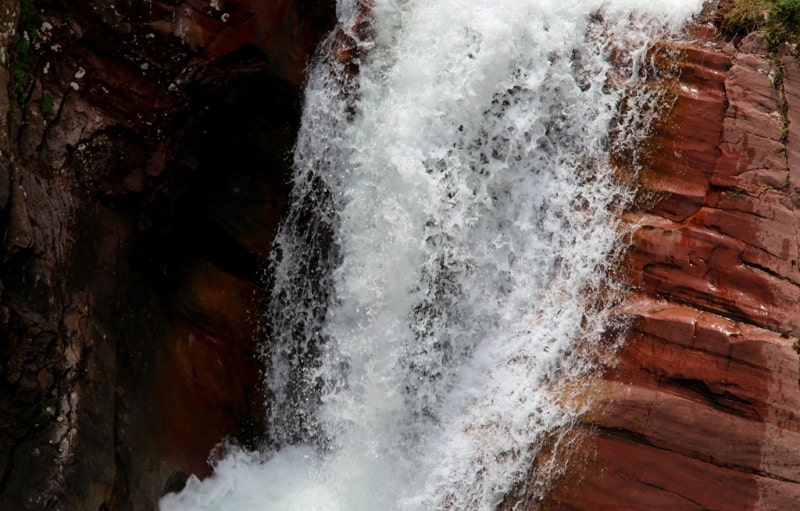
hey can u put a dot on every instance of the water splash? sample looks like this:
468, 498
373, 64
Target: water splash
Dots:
440, 274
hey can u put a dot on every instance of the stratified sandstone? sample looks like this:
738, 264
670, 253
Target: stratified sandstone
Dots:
701, 410
160, 172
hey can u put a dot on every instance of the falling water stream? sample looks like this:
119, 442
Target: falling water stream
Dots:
441, 276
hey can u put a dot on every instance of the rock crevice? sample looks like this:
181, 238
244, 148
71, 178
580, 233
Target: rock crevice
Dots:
143, 169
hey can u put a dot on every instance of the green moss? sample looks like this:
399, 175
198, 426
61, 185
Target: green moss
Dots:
20, 71
24, 8
745, 16
21, 56
783, 22
47, 104
63, 284
20, 53
779, 19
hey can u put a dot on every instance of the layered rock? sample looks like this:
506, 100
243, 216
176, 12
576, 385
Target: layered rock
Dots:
701, 408
145, 158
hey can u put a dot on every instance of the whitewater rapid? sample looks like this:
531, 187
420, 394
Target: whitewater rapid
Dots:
441, 280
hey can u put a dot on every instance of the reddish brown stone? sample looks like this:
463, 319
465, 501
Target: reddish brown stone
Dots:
791, 88
701, 409
678, 170
142, 176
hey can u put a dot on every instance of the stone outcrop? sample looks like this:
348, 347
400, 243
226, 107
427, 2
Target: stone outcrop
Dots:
701, 408
143, 169
142, 173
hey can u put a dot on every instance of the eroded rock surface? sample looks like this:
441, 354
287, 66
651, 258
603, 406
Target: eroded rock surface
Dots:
145, 158
700, 410
143, 169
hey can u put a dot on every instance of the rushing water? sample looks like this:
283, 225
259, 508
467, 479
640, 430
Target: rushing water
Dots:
441, 275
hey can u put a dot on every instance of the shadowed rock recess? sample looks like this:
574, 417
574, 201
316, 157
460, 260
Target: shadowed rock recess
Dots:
143, 168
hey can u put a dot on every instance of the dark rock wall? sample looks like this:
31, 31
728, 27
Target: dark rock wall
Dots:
143, 168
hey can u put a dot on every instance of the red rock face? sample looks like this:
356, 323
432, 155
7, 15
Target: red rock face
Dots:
118, 394
701, 409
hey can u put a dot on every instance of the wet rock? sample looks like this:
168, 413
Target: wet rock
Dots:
139, 198
700, 408
19, 233
5, 185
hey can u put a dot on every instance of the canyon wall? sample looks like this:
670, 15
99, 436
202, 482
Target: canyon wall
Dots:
143, 167
700, 409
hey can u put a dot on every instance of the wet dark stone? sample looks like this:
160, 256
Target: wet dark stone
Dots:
5, 185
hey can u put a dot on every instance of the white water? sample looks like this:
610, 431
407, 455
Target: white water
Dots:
438, 279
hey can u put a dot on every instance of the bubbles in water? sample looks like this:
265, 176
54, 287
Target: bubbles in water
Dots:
442, 266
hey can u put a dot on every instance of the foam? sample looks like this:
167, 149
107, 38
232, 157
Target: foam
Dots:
437, 280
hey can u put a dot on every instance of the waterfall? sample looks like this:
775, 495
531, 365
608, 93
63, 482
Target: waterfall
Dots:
442, 277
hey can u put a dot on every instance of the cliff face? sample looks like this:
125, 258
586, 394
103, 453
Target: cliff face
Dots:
142, 172
700, 408
143, 168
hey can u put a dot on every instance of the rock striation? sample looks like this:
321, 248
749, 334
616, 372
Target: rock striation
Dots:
143, 169
701, 408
